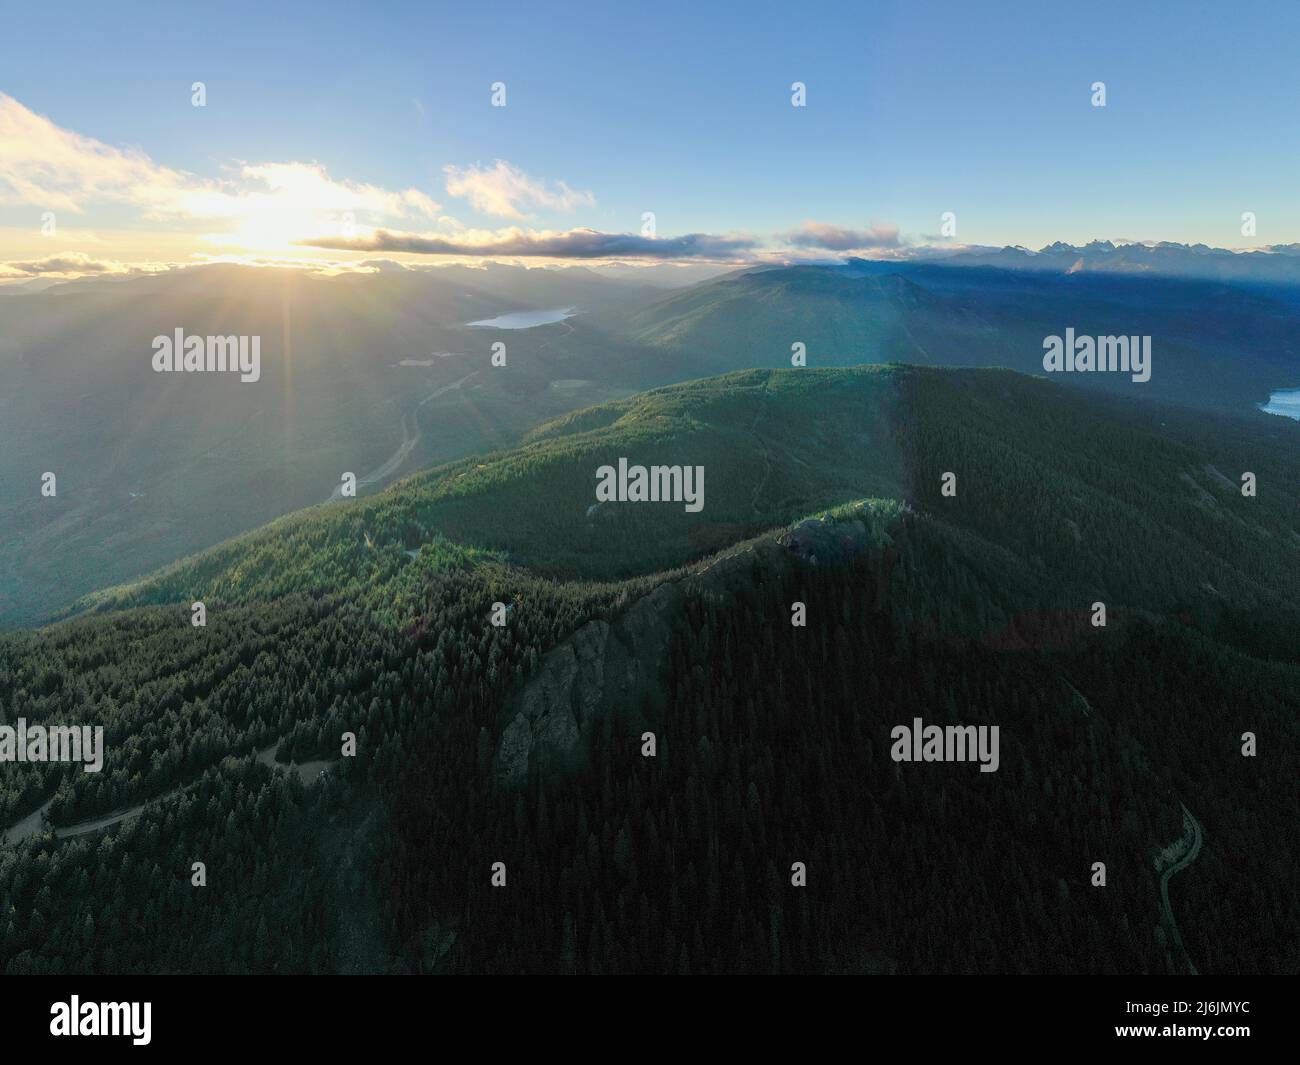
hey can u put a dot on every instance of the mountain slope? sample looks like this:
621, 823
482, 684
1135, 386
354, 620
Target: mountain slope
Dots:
1077, 498
755, 434
377, 375
1215, 345
523, 743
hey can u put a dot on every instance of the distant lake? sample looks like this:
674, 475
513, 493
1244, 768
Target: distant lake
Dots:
525, 319
1284, 401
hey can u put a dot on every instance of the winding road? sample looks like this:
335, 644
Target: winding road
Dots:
33, 823
1194, 826
410, 437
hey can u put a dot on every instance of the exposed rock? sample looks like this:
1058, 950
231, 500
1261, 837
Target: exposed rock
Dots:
608, 667
556, 701
616, 666
823, 541
601, 668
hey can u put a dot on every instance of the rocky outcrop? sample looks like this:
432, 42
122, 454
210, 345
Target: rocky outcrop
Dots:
616, 666
825, 540
603, 667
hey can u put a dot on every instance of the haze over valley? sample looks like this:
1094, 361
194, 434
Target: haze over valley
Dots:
384, 374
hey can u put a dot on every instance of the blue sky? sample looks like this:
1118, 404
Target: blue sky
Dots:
913, 109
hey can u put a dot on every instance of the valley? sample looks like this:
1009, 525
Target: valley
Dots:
153, 468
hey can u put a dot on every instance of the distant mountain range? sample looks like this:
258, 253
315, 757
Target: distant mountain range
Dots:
1276, 264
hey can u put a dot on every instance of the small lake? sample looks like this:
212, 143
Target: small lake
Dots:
525, 319
1284, 401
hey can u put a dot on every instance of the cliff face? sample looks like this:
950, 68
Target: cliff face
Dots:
825, 540
617, 665
603, 667
606, 667
555, 703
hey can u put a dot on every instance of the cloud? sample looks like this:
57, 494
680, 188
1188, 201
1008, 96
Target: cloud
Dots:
935, 247
69, 264
382, 266
276, 208
47, 166
829, 237
504, 190
300, 187
80, 265
565, 244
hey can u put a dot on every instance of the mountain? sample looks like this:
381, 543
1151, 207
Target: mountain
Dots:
1275, 265
371, 374
381, 374
523, 742
36, 284
777, 445
753, 318
662, 275
1215, 345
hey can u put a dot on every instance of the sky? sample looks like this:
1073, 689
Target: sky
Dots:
352, 134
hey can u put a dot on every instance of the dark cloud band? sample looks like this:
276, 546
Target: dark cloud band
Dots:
571, 244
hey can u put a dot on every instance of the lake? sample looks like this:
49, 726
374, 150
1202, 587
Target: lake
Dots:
525, 319
1284, 401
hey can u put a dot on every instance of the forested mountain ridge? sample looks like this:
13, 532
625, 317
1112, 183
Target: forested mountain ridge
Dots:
1091, 495
753, 432
383, 374
773, 739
